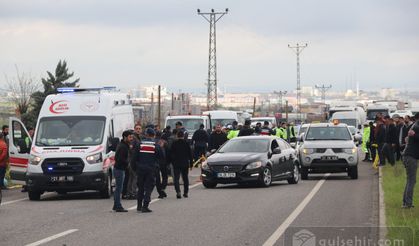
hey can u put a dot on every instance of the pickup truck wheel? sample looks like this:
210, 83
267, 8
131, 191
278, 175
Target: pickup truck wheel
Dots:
304, 173
34, 195
353, 172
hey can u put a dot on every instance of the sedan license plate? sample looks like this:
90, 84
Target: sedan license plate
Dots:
329, 158
226, 175
62, 179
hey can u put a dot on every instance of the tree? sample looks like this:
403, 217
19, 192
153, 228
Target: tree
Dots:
21, 89
50, 84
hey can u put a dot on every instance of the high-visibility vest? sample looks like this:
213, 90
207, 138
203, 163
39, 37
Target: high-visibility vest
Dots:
365, 139
279, 132
232, 134
284, 133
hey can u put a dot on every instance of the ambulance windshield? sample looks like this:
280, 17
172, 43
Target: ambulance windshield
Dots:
70, 131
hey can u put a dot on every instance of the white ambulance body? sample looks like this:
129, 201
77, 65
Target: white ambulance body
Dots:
73, 148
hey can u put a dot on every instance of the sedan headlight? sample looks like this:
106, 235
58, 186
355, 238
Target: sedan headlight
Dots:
92, 159
35, 160
204, 165
254, 165
308, 151
350, 151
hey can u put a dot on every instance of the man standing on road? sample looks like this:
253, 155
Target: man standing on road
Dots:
179, 127
3, 160
146, 156
130, 182
246, 130
200, 140
266, 131
365, 142
121, 164
391, 140
410, 160
181, 157
233, 132
217, 138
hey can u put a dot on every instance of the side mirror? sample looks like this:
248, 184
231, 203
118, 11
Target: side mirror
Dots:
357, 137
276, 151
359, 127
213, 151
300, 138
113, 143
293, 145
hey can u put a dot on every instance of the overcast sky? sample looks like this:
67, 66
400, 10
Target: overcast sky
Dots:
132, 43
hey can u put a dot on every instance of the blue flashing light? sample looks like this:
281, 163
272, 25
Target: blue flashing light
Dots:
66, 89
50, 168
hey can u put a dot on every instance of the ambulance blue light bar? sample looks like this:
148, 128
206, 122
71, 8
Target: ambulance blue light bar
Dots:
75, 89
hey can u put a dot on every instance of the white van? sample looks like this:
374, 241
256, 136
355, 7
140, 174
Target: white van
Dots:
222, 117
74, 144
190, 122
351, 118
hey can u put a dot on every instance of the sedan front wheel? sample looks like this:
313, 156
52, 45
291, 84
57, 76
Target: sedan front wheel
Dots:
266, 180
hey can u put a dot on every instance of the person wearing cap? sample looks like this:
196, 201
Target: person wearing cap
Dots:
246, 130
282, 131
146, 157
179, 127
200, 140
410, 161
234, 132
266, 131
365, 142
121, 165
292, 134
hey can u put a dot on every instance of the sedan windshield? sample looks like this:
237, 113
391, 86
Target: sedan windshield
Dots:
245, 145
328, 133
70, 131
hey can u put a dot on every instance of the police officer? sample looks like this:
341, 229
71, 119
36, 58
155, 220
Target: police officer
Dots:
292, 134
233, 132
146, 156
281, 131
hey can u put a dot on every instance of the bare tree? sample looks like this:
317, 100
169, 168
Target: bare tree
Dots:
21, 89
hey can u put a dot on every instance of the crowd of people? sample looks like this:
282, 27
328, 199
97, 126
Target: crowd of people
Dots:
394, 139
144, 158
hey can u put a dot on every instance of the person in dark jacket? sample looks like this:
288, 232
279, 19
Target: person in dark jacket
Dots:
380, 139
246, 130
390, 140
130, 182
146, 156
372, 143
410, 161
181, 157
121, 164
161, 170
179, 127
266, 131
217, 138
200, 140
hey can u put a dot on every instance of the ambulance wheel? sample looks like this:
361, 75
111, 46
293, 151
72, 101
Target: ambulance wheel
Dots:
34, 195
106, 192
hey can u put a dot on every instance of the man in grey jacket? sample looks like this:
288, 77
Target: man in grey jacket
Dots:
410, 160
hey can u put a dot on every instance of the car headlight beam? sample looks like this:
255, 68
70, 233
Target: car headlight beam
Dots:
308, 151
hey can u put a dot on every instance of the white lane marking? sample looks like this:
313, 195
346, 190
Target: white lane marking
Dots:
14, 201
49, 239
281, 229
155, 200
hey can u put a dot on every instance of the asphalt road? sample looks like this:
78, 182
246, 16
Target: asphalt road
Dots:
227, 215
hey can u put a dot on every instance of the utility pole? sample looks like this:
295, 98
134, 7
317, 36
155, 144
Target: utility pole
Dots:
254, 107
323, 88
280, 94
212, 17
298, 49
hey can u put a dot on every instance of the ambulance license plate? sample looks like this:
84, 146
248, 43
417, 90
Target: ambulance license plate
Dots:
62, 179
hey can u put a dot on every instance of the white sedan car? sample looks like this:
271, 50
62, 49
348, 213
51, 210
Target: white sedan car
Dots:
328, 148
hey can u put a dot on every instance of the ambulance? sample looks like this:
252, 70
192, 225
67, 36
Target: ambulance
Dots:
74, 145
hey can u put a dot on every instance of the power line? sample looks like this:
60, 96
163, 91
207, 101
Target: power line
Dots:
298, 49
212, 17
323, 88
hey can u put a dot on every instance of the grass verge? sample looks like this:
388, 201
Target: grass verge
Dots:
394, 181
